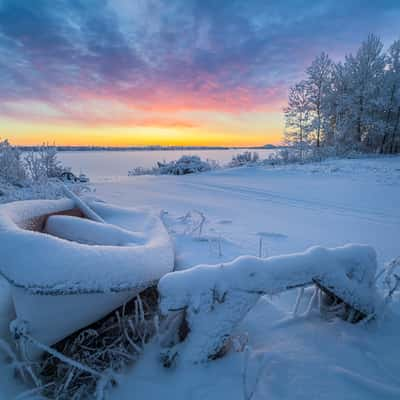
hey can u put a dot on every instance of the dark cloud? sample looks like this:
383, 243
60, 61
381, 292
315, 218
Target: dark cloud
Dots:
52, 50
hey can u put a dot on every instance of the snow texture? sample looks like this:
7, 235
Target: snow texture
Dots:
216, 298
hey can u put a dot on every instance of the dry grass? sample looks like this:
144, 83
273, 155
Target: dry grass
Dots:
86, 363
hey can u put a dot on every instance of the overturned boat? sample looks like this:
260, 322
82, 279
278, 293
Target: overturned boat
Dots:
67, 271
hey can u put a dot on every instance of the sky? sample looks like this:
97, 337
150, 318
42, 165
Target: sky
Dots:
168, 72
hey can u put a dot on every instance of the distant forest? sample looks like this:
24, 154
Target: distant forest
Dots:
142, 148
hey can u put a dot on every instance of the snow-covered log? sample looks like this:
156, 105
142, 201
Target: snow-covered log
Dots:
215, 298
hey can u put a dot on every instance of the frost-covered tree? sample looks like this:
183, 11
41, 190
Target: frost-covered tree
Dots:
391, 133
366, 71
43, 163
11, 165
349, 105
318, 81
51, 164
297, 118
339, 124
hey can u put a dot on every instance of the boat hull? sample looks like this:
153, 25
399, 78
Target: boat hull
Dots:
74, 271
61, 315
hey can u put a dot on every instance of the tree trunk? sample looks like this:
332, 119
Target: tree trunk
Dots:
319, 116
394, 146
386, 132
301, 144
359, 130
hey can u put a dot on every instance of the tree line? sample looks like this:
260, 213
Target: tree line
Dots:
351, 105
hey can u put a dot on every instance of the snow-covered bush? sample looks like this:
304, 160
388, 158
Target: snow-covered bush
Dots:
293, 154
137, 171
244, 158
35, 167
11, 165
286, 155
43, 163
28, 176
185, 165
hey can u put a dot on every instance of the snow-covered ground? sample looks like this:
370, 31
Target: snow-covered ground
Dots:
275, 210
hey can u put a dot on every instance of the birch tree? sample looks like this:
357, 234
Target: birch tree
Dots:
318, 80
390, 138
349, 105
297, 117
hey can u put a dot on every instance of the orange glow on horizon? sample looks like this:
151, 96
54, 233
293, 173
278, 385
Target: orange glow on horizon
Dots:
189, 128
168, 139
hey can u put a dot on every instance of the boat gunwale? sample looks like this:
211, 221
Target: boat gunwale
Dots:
53, 291
36, 224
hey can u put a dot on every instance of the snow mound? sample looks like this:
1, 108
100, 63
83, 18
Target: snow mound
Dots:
215, 298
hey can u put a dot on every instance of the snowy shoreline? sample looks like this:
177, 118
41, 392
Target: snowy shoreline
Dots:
216, 216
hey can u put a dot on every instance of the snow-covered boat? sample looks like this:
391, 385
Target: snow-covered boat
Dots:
67, 271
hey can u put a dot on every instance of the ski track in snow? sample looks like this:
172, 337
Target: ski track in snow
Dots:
379, 389
367, 214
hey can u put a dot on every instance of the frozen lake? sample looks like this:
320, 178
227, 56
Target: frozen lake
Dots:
106, 165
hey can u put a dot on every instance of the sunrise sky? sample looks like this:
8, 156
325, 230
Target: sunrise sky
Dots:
169, 72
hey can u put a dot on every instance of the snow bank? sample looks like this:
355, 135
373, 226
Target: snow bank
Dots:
215, 298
